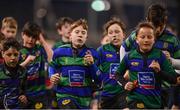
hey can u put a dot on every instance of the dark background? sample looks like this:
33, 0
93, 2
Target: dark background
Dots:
46, 13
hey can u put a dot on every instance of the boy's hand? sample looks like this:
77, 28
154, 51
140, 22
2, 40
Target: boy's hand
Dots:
30, 58
88, 58
168, 56
178, 80
23, 99
55, 78
155, 66
129, 86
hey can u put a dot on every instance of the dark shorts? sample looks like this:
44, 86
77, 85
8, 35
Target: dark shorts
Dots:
116, 102
176, 95
38, 102
67, 103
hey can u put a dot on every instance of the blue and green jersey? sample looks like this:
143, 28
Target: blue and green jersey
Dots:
36, 74
109, 62
148, 83
12, 85
76, 76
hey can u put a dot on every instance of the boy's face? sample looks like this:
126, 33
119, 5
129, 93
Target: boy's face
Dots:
64, 31
11, 57
9, 32
28, 41
78, 36
159, 29
115, 34
145, 39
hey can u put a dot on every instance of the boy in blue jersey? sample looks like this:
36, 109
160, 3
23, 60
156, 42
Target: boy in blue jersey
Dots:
165, 41
147, 68
33, 56
112, 95
12, 77
63, 27
72, 69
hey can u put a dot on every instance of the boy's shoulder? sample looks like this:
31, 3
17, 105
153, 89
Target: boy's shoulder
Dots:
169, 37
58, 44
154, 53
65, 46
106, 47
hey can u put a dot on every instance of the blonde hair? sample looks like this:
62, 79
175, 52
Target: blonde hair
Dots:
9, 22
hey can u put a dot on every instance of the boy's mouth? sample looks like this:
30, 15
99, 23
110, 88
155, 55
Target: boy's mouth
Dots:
79, 40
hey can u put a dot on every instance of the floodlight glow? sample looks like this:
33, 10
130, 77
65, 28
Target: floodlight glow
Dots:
98, 5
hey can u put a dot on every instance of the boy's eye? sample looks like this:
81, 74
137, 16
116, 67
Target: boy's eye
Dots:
110, 32
9, 54
142, 36
150, 37
83, 32
117, 31
65, 27
76, 31
15, 54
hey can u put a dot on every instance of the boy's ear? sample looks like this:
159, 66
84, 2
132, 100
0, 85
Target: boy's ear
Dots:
2, 53
59, 31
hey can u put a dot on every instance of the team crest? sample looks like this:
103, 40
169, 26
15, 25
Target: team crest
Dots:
109, 55
98, 72
134, 63
38, 105
140, 105
23, 56
66, 101
165, 45
37, 53
54, 103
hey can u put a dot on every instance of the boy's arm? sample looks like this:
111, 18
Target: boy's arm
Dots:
167, 71
121, 71
128, 45
23, 86
29, 59
175, 63
53, 71
23, 83
46, 46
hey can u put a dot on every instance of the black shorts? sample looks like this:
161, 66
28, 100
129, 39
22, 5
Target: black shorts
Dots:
116, 102
38, 102
176, 95
67, 103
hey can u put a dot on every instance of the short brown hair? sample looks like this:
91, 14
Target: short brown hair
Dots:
112, 21
32, 29
9, 22
157, 14
144, 24
62, 21
80, 22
